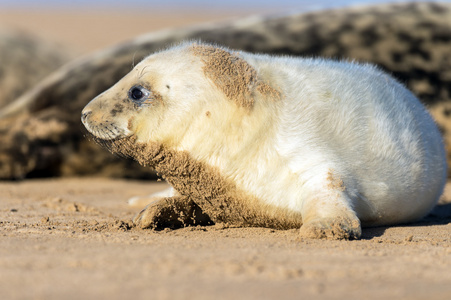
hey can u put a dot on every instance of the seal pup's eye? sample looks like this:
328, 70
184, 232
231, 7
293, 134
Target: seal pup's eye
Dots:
138, 93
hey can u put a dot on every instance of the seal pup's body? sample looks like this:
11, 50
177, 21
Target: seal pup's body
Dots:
321, 143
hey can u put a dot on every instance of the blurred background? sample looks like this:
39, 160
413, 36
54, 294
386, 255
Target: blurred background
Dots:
412, 42
88, 25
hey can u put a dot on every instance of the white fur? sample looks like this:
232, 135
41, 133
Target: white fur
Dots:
143, 201
340, 119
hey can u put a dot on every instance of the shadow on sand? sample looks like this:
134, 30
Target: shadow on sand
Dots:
440, 215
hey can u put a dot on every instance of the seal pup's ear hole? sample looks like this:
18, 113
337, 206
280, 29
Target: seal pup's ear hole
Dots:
168, 87
229, 72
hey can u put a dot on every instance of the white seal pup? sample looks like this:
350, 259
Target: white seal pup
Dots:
283, 142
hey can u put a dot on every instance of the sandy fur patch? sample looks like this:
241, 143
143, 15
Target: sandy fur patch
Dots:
232, 75
219, 198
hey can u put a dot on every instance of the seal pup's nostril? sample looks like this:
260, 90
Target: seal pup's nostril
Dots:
84, 115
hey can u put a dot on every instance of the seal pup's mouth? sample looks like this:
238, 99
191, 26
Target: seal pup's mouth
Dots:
106, 130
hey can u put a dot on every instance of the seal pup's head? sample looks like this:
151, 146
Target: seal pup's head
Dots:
177, 98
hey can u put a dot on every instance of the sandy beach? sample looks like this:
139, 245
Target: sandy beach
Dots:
84, 31
72, 239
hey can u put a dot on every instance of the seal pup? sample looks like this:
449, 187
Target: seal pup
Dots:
282, 142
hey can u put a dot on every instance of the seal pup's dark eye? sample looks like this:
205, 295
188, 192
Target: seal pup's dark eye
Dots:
138, 93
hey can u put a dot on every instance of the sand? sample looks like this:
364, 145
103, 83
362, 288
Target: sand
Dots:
72, 238
84, 31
